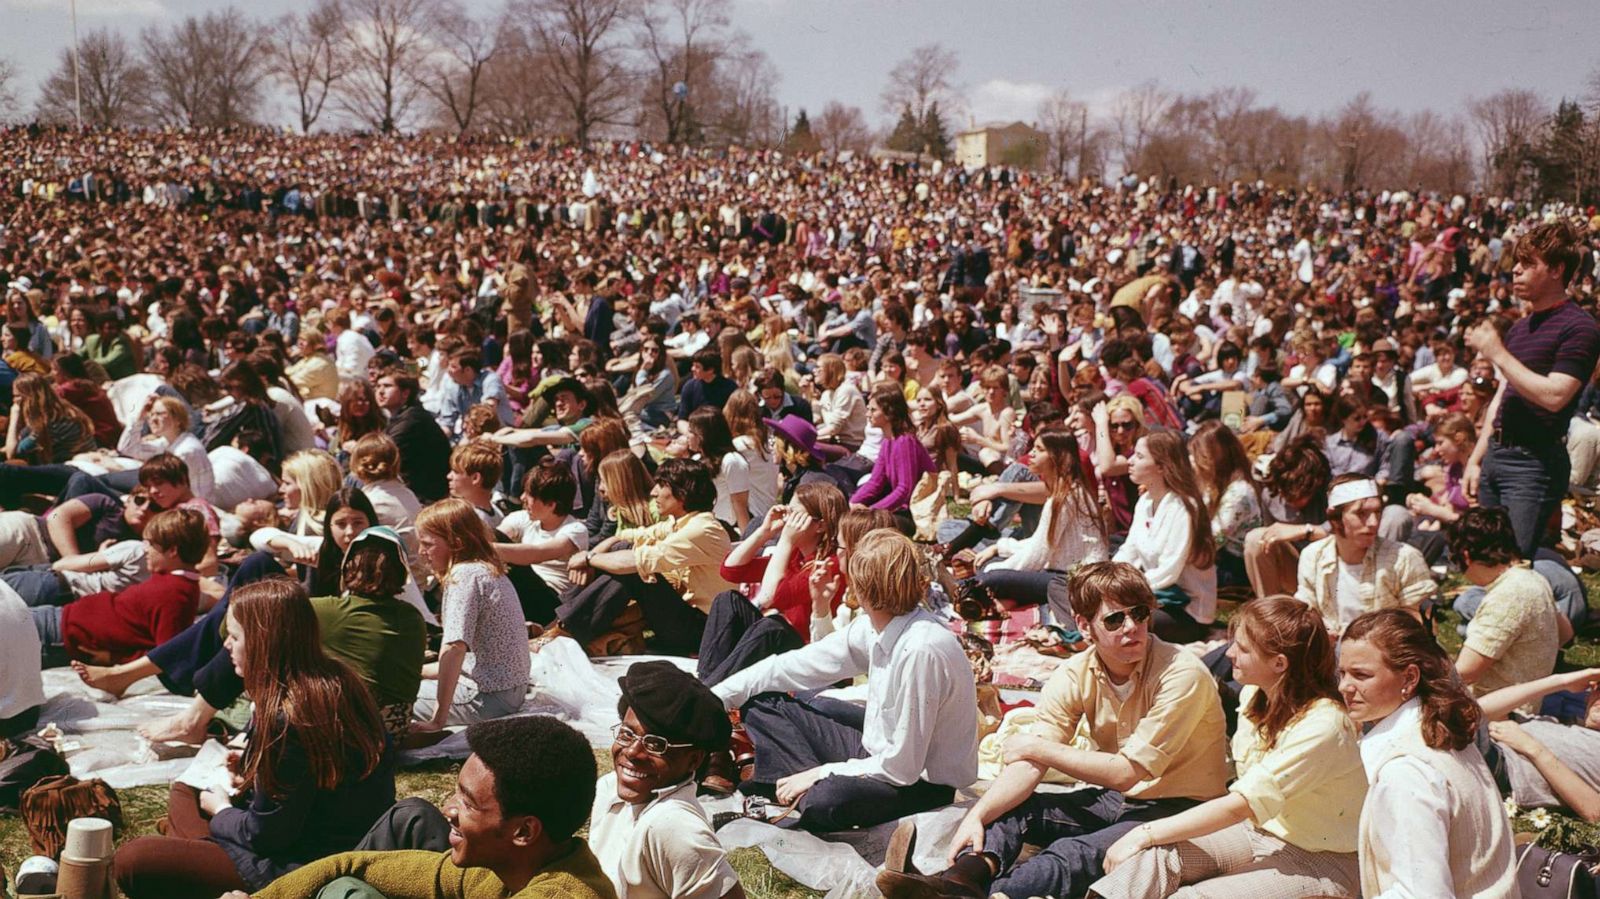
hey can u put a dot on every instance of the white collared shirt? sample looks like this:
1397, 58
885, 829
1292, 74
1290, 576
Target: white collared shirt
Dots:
1407, 801
922, 708
662, 848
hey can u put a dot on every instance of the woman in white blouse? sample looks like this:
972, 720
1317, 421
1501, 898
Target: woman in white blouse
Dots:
704, 434
840, 409
1433, 823
162, 426
1170, 540
1071, 531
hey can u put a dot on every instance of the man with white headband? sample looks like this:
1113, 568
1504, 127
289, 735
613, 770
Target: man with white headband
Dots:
1354, 570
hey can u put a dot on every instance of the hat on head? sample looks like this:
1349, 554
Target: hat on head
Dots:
1382, 345
797, 432
674, 704
22, 284
381, 533
570, 385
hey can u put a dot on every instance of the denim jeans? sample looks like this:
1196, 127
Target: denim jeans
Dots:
1075, 830
1528, 483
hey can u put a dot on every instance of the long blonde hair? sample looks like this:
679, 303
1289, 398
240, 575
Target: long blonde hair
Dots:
456, 524
317, 474
40, 405
627, 485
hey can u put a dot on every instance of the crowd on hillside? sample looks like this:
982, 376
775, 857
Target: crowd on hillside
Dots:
345, 427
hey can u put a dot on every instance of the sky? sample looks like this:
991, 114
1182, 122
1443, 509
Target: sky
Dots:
1306, 57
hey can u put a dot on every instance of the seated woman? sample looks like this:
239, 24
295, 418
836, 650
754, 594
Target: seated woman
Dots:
1170, 540
1071, 531
1295, 501
1288, 824
163, 426
44, 432
1548, 762
902, 460
248, 409
782, 615
310, 479
1433, 823
1420, 521
314, 770
704, 435
483, 665
375, 462
1232, 498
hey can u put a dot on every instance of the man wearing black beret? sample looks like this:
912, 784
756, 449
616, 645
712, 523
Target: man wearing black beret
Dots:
647, 828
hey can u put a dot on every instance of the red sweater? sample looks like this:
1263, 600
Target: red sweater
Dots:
125, 625
792, 599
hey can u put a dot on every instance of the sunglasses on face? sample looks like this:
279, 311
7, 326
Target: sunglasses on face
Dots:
1115, 620
623, 736
143, 501
1124, 425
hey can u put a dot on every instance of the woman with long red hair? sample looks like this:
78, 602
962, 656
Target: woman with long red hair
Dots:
313, 778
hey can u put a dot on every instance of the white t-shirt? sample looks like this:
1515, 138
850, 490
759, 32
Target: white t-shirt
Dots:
765, 479
236, 477
733, 478
128, 567
1347, 593
523, 529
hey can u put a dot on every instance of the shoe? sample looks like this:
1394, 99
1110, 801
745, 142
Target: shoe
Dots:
720, 775
902, 845
905, 885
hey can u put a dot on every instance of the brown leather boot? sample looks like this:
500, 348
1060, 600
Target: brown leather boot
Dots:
719, 776
966, 879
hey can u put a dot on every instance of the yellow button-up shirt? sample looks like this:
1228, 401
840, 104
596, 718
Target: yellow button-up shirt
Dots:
1171, 724
1307, 789
687, 551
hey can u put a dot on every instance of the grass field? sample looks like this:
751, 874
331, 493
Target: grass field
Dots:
143, 806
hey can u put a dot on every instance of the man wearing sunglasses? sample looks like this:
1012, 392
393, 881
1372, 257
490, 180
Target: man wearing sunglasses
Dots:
1153, 715
647, 829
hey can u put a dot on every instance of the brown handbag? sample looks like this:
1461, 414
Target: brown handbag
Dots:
51, 803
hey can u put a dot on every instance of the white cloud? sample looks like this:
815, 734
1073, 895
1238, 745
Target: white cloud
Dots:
91, 8
1001, 100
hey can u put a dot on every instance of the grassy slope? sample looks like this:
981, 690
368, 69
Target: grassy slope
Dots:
142, 806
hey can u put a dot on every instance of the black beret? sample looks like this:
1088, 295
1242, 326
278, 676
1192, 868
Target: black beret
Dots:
674, 704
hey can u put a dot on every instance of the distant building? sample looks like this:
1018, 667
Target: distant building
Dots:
996, 144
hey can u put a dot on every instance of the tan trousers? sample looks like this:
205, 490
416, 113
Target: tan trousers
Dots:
1239, 862
1273, 568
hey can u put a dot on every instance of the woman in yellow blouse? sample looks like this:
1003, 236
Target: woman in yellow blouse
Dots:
1288, 825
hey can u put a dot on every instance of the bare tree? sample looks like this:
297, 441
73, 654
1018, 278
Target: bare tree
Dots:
8, 88
585, 69
739, 106
842, 128
1363, 144
1138, 113
385, 46
1076, 142
306, 51
683, 42
515, 84
1510, 124
205, 70
114, 83
921, 80
1228, 128
467, 45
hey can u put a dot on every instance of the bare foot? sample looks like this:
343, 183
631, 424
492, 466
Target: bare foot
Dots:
112, 680
181, 728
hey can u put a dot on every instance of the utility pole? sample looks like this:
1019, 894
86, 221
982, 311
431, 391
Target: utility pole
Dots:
77, 89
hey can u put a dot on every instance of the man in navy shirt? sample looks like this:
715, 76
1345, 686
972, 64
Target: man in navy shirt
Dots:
706, 385
1521, 461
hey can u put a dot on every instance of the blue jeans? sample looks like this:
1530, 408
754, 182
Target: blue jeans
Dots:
1075, 828
52, 648
1528, 483
38, 585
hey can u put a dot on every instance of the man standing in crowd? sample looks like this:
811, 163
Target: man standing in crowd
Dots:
1521, 462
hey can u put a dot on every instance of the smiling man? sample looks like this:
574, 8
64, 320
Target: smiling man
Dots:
506, 833
1155, 719
651, 835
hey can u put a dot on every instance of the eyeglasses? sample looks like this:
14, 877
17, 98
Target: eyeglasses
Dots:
624, 736
1124, 425
143, 500
1114, 621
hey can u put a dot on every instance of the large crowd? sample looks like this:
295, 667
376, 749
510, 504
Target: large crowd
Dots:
344, 428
